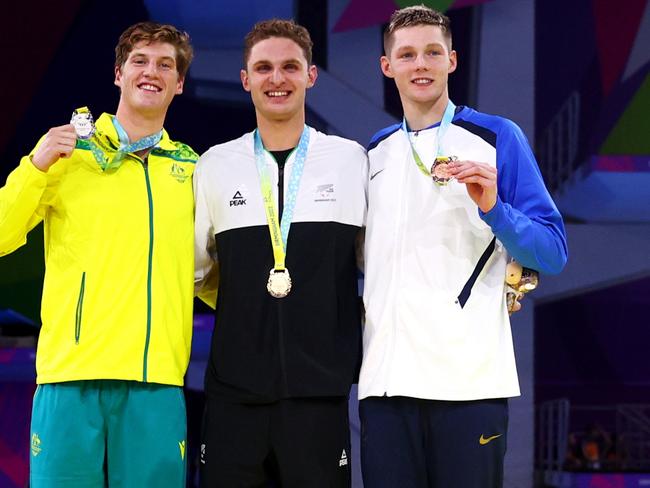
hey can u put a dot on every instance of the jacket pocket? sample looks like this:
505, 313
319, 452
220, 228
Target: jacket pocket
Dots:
79, 312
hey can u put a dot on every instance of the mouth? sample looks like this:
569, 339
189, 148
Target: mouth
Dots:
277, 94
148, 87
422, 81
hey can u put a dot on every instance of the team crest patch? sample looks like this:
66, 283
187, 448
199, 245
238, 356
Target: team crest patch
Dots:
178, 172
36, 444
325, 193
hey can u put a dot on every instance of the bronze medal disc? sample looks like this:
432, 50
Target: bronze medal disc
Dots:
440, 170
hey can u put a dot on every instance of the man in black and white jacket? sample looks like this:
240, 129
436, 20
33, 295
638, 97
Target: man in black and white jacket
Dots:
278, 211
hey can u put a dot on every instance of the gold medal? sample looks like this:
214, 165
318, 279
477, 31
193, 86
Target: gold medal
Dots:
440, 171
279, 284
520, 280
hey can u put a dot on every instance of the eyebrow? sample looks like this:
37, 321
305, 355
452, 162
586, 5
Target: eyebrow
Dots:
284, 61
138, 54
430, 45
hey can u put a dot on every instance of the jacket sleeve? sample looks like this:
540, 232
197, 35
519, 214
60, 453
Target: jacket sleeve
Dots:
206, 268
23, 204
525, 218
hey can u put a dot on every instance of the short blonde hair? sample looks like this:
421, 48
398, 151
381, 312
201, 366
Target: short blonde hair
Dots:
413, 16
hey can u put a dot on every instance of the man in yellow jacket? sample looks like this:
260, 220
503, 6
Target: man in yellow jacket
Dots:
116, 201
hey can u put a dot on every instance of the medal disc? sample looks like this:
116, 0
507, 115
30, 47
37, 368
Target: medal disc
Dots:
529, 280
440, 170
83, 123
279, 284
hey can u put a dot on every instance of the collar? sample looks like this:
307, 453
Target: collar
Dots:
459, 108
105, 126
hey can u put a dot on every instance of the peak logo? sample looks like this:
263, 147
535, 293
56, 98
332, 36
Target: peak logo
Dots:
237, 200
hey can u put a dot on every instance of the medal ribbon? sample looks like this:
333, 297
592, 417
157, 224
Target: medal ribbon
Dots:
447, 117
115, 160
280, 232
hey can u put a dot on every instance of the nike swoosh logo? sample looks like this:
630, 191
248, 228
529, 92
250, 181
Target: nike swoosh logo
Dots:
483, 440
372, 176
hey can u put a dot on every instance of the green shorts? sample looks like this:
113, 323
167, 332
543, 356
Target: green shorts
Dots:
86, 434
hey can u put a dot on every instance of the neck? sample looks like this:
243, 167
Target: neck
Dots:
137, 124
279, 135
420, 115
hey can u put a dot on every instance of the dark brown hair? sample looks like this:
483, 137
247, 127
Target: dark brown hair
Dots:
278, 28
414, 16
154, 32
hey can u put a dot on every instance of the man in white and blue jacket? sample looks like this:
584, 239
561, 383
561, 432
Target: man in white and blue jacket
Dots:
453, 195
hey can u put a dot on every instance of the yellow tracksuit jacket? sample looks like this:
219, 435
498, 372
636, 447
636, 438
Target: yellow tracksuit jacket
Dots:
119, 256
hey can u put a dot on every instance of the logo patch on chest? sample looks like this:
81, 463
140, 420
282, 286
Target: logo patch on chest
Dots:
178, 173
325, 193
237, 199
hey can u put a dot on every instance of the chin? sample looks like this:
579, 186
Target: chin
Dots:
279, 114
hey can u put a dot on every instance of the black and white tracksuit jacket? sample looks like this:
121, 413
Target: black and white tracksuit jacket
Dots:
308, 343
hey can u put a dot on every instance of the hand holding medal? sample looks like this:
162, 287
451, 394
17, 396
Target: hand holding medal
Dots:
59, 142
520, 280
480, 179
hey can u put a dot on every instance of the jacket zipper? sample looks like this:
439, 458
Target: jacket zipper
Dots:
80, 304
280, 191
283, 361
145, 165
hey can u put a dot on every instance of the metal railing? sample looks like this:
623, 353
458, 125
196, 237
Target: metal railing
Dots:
631, 438
557, 147
552, 440
633, 432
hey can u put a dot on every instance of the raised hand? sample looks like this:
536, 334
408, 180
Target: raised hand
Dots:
480, 179
59, 142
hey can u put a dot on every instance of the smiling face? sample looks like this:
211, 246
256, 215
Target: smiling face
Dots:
149, 79
420, 61
277, 76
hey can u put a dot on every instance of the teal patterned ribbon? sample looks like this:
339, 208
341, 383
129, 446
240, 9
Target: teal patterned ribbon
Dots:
110, 159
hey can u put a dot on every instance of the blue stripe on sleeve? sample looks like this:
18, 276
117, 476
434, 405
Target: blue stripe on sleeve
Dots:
525, 218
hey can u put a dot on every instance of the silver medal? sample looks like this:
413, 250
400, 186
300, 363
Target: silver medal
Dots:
83, 122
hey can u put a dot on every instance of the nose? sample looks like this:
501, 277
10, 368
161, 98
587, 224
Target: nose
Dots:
420, 62
277, 77
150, 69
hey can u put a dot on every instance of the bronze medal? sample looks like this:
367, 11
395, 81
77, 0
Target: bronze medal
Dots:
440, 170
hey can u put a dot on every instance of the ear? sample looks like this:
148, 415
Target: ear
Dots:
179, 85
312, 74
243, 74
118, 77
453, 62
385, 67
